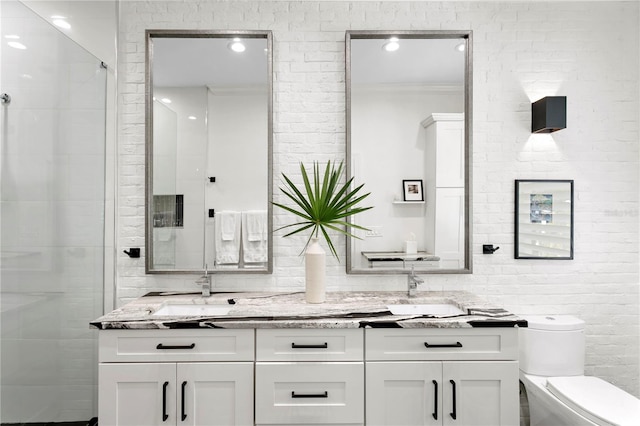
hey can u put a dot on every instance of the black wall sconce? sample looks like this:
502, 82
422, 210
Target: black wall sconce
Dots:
549, 114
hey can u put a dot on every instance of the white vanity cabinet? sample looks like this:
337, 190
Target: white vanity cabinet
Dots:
309, 377
442, 377
176, 377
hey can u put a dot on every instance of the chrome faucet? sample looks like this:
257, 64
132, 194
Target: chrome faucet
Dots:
205, 282
413, 281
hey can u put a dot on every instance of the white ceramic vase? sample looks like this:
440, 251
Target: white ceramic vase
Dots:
314, 269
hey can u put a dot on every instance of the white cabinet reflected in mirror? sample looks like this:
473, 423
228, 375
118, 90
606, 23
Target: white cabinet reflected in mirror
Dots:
409, 120
208, 151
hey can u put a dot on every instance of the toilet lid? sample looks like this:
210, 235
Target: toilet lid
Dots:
597, 400
554, 322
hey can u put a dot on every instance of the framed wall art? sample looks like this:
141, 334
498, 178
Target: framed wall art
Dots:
412, 190
543, 219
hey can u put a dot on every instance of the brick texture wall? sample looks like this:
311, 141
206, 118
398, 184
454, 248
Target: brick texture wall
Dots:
588, 51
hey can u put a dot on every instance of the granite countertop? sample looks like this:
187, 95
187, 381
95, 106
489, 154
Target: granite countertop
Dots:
289, 310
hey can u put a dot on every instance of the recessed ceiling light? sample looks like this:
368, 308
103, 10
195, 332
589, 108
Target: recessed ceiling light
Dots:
192, 117
12, 37
166, 100
61, 22
17, 45
391, 45
237, 46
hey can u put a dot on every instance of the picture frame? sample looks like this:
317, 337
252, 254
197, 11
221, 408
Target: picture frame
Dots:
412, 190
543, 219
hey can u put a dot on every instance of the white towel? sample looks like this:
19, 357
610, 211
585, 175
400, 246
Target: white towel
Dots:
228, 221
227, 250
254, 236
256, 224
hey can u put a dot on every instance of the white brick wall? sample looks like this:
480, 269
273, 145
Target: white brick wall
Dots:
587, 51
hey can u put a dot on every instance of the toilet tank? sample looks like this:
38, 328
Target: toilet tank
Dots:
552, 345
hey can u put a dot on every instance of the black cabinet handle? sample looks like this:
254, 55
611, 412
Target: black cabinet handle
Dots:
309, 395
453, 387
163, 346
165, 416
184, 414
322, 346
446, 345
435, 400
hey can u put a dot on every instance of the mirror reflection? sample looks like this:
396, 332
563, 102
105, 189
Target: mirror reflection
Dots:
208, 151
408, 116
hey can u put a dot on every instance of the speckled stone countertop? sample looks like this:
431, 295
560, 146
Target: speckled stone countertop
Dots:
289, 310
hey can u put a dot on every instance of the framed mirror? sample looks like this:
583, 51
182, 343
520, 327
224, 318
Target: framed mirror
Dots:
544, 219
408, 138
208, 151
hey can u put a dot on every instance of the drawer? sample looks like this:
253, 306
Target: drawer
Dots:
441, 344
309, 345
309, 393
176, 345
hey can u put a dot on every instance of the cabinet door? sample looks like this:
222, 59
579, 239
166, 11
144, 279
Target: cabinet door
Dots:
486, 393
137, 394
450, 154
404, 393
449, 227
215, 394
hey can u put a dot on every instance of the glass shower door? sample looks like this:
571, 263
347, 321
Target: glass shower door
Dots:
52, 221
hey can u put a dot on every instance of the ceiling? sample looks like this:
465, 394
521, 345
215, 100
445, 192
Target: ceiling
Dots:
209, 61
434, 62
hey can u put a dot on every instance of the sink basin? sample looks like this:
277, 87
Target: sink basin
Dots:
432, 309
189, 310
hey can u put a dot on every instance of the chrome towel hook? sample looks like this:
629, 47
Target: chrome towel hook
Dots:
5, 98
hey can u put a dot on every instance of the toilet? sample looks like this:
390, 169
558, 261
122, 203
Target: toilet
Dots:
552, 350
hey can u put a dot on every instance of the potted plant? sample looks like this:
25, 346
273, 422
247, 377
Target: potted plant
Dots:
323, 204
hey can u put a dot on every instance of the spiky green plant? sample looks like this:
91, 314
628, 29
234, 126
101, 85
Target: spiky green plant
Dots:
324, 204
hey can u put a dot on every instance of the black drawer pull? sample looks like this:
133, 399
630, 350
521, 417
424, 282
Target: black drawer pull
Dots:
322, 346
163, 346
446, 345
184, 413
165, 416
309, 395
435, 400
453, 391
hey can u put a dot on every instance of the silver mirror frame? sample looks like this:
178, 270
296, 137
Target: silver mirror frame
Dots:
149, 35
467, 37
